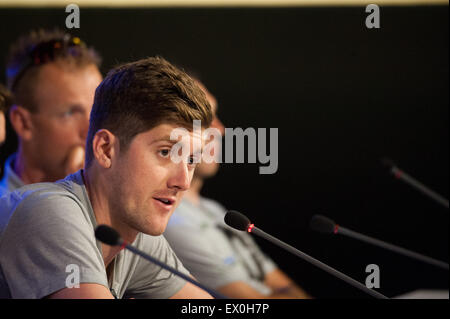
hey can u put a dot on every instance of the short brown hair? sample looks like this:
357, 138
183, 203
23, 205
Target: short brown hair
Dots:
31, 51
136, 97
5, 99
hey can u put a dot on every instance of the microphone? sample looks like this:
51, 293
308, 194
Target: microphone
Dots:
111, 237
325, 225
239, 221
108, 235
399, 174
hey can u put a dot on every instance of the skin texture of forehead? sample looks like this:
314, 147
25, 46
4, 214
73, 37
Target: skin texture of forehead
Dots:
57, 83
162, 132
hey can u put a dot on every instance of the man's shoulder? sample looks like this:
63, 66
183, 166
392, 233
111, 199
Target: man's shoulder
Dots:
36, 203
40, 193
36, 193
43, 229
32, 193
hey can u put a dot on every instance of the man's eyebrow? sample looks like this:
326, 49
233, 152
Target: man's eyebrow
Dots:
165, 138
75, 106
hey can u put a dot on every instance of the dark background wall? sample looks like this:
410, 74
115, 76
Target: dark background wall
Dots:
341, 95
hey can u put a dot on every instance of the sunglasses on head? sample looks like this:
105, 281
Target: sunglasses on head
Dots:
45, 52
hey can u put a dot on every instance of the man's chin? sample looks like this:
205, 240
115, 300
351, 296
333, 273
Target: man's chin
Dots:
155, 228
155, 232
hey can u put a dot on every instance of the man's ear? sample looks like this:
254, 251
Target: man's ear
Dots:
20, 119
105, 147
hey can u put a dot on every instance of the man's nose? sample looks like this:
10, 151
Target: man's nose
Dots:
180, 178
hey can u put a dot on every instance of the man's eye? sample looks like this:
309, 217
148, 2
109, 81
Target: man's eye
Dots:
193, 160
68, 113
164, 153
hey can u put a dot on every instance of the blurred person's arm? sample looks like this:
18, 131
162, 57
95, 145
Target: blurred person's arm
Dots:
241, 290
282, 284
96, 291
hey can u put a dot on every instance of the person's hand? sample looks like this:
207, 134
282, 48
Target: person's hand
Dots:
75, 159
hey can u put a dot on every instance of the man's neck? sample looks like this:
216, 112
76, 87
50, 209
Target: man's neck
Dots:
193, 193
25, 170
98, 196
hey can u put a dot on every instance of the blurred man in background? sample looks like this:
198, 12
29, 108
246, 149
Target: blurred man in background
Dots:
52, 76
217, 255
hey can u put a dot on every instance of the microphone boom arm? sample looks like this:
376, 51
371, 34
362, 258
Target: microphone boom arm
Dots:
397, 249
317, 263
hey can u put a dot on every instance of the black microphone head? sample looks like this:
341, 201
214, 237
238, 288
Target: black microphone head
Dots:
107, 235
322, 224
387, 162
236, 220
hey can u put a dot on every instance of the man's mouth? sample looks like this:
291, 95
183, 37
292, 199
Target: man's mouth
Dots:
165, 200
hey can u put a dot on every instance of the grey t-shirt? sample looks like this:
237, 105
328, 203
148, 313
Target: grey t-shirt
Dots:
47, 237
215, 253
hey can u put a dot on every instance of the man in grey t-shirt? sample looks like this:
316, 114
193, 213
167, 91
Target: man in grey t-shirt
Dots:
47, 243
130, 182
